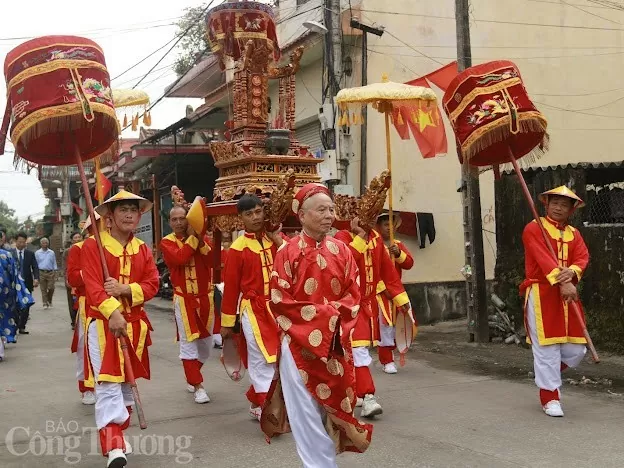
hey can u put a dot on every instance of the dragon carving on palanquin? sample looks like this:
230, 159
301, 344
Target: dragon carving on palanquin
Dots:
277, 207
257, 56
289, 69
366, 207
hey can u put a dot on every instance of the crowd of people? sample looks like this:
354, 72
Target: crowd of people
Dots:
301, 312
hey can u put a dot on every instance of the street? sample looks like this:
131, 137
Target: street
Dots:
432, 417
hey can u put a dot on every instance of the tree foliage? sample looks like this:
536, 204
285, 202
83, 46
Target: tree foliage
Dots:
194, 42
8, 220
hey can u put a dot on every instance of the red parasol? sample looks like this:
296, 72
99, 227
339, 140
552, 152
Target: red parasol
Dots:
496, 123
61, 104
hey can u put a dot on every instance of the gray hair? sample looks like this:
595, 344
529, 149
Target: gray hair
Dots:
44, 239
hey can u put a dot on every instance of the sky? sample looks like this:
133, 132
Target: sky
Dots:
127, 31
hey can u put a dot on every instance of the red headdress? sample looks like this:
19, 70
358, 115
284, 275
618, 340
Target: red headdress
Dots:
305, 192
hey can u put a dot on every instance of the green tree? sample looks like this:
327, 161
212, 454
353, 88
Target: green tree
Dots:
8, 220
194, 42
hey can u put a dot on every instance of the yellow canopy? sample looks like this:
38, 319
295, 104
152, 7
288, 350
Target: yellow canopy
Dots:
130, 97
397, 93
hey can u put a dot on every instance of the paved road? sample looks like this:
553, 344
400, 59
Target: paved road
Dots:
433, 417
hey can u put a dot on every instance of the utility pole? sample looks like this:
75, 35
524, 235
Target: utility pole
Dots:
476, 292
355, 24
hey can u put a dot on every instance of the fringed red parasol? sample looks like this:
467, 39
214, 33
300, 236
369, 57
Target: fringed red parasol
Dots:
496, 123
61, 104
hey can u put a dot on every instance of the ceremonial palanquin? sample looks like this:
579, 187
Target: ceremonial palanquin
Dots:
258, 152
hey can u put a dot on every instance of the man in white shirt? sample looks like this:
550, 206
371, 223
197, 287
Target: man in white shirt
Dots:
46, 260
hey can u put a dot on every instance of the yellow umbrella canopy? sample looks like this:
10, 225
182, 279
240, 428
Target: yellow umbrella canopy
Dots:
132, 101
384, 97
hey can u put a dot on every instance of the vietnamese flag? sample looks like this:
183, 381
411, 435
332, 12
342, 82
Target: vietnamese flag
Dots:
102, 185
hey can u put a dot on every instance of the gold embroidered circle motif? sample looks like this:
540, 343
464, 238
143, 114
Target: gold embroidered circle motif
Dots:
345, 405
295, 206
308, 312
354, 310
276, 296
323, 391
307, 354
287, 269
304, 376
310, 286
333, 321
321, 262
336, 287
315, 338
332, 247
283, 283
284, 322
350, 393
334, 367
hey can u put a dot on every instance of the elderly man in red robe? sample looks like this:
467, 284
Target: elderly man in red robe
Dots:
375, 266
555, 333
115, 309
245, 297
403, 260
189, 260
315, 298
75, 281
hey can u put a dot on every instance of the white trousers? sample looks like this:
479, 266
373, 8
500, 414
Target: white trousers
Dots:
361, 357
217, 339
197, 349
315, 448
260, 372
80, 349
1, 347
387, 333
111, 398
547, 359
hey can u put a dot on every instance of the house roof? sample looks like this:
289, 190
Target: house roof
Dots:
583, 165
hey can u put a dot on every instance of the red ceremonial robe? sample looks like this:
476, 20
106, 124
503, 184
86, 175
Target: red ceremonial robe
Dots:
555, 323
132, 265
190, 267
375, 266
74, 279
405, 261
246, 290
315, 298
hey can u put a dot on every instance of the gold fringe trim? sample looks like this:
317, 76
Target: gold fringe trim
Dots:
52, 66
526, 161
500, 130
30, 128
29, 51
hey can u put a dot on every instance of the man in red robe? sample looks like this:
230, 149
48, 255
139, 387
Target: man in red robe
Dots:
555, 333
115, 309
403, 260
74, 280
315, 297
375, 266
245, 299
189, 260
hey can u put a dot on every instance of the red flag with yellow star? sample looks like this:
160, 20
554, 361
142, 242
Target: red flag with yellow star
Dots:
425, 121
102, 185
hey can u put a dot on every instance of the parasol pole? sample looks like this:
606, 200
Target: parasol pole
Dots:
100, 195
123, 339
389, 163
529, 199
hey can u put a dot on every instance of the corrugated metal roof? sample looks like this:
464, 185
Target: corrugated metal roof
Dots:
583, 165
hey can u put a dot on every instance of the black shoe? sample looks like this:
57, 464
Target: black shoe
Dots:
216, 346
24, 332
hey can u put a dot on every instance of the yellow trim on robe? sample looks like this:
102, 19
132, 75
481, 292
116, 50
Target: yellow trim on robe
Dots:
576, 269
382, 307
245, 307
108, 306
137, 294
142, 340
243, 242
401, 258
89, 380
211, 316
539, 321
205, 249
381, 287
228, 321
193, 242
115, 248
359, 244
184, 316
552, 276
401, 299
568, 232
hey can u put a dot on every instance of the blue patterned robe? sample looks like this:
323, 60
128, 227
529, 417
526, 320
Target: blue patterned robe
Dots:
13, 295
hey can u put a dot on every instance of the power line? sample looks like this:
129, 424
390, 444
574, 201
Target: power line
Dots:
143, 59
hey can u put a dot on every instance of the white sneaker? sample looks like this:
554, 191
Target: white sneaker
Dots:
390, 368
553, 408
190, 388
128, 447
88, 398
116, 459
370, 407
255, 413
359, 402
201, 396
